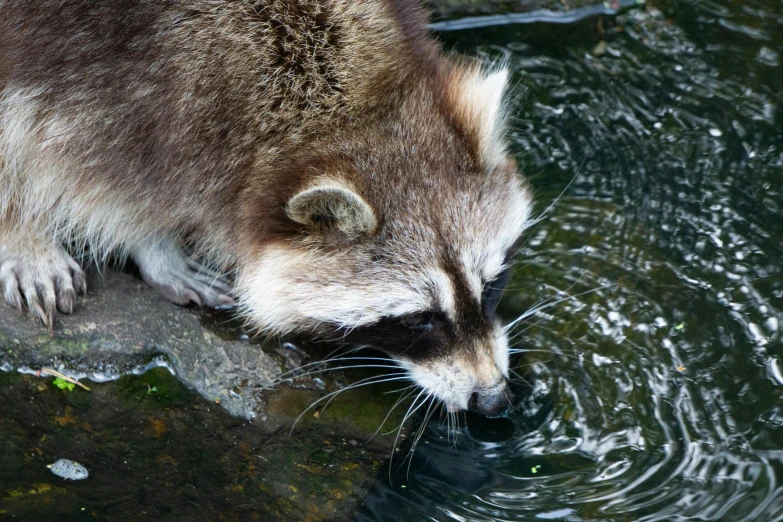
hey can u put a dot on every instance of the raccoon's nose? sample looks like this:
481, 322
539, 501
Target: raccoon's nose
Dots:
491, 402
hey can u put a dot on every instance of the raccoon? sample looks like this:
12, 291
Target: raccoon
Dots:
349, 175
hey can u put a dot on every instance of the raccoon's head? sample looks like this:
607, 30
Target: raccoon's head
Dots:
399, 235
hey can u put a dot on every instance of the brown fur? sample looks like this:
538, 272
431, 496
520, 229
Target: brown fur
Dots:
189, 107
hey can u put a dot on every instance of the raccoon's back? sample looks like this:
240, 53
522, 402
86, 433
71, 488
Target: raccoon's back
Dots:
273, 59
174, 100
235, 65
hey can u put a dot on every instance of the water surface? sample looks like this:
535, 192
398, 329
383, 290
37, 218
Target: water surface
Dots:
656, 377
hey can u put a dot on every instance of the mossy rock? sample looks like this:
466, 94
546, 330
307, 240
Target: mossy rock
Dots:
123, 325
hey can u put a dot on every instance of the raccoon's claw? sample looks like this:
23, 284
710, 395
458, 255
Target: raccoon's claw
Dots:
164, 267
185, 288
44, 280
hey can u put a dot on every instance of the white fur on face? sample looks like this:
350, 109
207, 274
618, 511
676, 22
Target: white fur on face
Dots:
489, 253
478, 98
500, 351
287, 289
444, 292
446, 380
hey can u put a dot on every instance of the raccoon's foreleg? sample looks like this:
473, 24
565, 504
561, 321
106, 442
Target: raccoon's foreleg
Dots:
41, 274
165, 267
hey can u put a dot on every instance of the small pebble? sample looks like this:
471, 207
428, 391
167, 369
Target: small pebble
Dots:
69, 470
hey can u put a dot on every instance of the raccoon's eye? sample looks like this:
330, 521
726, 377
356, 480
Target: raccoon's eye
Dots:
421, 322
493, 291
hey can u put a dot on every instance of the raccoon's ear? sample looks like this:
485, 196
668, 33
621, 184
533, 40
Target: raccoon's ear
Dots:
331, 206
479, 102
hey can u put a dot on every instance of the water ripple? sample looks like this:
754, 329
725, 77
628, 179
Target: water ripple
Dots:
654, 393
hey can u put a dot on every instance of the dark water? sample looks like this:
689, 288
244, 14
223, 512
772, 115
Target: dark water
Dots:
657, 380
156, 451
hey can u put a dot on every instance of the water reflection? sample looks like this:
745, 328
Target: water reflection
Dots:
654, 393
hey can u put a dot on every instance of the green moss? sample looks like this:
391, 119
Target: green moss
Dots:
361, 411
72, 348
366, 409
63, 384
156, 389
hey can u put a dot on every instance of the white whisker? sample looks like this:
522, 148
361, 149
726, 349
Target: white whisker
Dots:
411, 411
358, 384
397, 403
542, 215
549, 304
419, 433
399, 363
355, 366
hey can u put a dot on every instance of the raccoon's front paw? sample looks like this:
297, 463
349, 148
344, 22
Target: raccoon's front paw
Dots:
46, 279
164, 267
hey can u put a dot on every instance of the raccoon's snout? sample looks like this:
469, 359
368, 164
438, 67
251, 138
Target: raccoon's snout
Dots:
491, 402
470, 381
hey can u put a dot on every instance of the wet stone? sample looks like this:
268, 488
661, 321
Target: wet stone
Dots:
69, 470
122, 325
